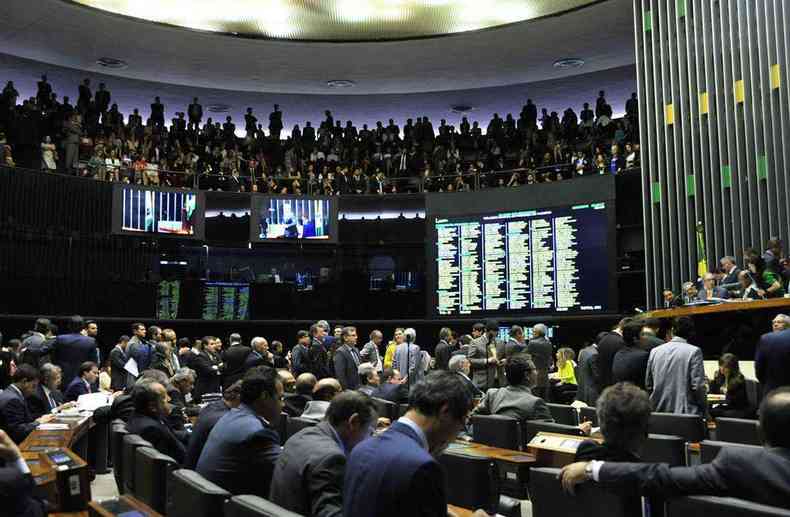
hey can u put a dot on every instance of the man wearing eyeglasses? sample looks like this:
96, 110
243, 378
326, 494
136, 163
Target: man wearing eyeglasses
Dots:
308, 476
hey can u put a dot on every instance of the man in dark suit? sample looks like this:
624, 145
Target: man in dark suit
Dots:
118, 359
308, 476
396, 473
515, 344
208, 367
346, 359
295, 403
317, 357
772, 360
47, 396
444, 349
87, 375
234, 358
15, 417
207, 419
195, 114
459, 365
608, 346
729, 276
259, 354
761, 476
151, 408
540, 349
710, 290
516, 400
16, 482
482, 357
73, 349
37, 345
587, 375
244, 440
392, 387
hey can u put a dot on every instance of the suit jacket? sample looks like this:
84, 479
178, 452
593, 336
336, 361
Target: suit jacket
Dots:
370, 354
397, 393
15, 417
630, 365
300, 360
407, 361
295, 403
483, 373
70, 351
718, 292
588, 376
38, 404
760, 476
442, 354
207, 419
607, 348
159, 434
118, 359
308, 476
255, 359
393, 475
209, 378
76, 388
513, 347
16, 492
772, 360
240, 443
676, 378
542, 352
731, 279
318, 360
234, 359
347, 367
516, 402
142, 352
473, 390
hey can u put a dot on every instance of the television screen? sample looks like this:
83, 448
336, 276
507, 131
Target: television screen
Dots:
504, 332
293, 219
141, 210
167, 299
226, 301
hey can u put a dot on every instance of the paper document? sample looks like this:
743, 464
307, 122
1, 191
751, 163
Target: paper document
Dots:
93, 401
53, 427
131, 367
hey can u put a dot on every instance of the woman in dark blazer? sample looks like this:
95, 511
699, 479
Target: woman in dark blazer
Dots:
730, 381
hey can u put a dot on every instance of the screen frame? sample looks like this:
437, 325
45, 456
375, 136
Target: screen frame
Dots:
259, 199
117, 216
564, 194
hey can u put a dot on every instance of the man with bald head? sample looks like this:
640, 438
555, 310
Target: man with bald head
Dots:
323, 393
260, 355
297, 401
710, 290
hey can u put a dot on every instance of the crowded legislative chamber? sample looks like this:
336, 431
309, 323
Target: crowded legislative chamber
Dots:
394, 258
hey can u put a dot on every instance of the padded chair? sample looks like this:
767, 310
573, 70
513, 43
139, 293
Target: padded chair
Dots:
562, 414
386, 409
298, 423
472, 481
754, 394
497, 431
533, 427
282, 427
548, 499
99, 440
131, 442
588, 414
738, 430
690, 427
117, 432
720, 507
662, 448
709, 449
191, 495
151, 470
254, 506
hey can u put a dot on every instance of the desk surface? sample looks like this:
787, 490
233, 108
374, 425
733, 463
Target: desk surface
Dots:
753, 305
495, 453
460, 512
131, 501
42, 439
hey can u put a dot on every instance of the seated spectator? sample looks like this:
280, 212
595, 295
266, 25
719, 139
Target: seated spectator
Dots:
396, 473
630, 362
15, 417
244, 441
179, 389
207, 419
47, 397
769, 284
123, 405
87, 375
759, 476
149, 419
730, 381
460, 366
710, 290
516, 400
296, 402
368, 379
748, 287
690, 293
323, 393
308, 476
260, 355
392, 387
16, 482
565, 385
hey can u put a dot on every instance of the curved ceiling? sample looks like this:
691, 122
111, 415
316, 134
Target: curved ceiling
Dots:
66, 34
336, 20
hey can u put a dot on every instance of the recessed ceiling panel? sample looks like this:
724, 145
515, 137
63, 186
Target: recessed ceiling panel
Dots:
336, 20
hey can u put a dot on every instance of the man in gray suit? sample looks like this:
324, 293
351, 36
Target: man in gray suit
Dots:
540, 349
710, 290
675, 375
308, 475
347, 360
587, 375
408, 358
370, 352
483, 359
515, 345
516, 400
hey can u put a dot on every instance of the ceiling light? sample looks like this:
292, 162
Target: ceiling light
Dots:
218, 108
461, 108
340, 83
569, 62
111, 62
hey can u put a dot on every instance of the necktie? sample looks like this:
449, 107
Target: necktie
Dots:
52, 404
355, 355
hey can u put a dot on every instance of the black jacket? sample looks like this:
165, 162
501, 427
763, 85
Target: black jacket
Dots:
209, 378
630, 365
118, 375
70, 351
234, 358
15, 417
159, 434
295, 403
442, 354
39, 405
607, 348
346, 369
16, 492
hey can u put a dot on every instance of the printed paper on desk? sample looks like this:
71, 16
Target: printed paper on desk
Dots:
53, 427
93, 401
131, 367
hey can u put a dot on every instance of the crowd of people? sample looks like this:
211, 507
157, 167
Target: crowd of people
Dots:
93, 138
352, 462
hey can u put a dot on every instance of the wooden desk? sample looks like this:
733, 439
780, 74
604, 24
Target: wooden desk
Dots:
96, 508
460, 512
41, 439
494, 453
694, 310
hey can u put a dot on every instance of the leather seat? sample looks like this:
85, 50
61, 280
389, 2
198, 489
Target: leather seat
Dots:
472, 481
709, 449
720, 507
151, 472
131, 442
497, 431
562, 414
548, 499
191, 495
254, 506
117, 432
738, 430
690, 427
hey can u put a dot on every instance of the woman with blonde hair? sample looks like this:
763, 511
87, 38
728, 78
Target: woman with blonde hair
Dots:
389, 355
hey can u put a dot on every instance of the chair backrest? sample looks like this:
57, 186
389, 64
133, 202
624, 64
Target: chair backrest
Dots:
738, 430
588, 414
386, 409
402, 408
709, 449
548, 499
131, 442
690, 427
754, 394
533, 427
497, 431
282, 427
117, 432
254, 506
297, 423
720, 507
562, 414
191, 495
472, 481
151, 471
662, 448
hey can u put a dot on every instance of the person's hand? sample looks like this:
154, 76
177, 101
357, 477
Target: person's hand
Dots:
761, 293
572, 475
8, 449
45, 418
586, 428
67, 405
492, 360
